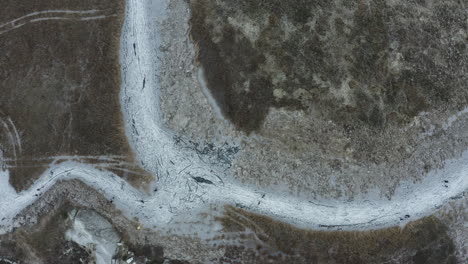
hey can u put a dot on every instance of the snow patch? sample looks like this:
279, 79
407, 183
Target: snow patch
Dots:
92, 231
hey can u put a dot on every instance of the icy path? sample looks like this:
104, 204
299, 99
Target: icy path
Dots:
74, 15
180, 196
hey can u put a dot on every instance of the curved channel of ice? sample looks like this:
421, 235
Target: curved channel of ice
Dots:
179, 196
154, 145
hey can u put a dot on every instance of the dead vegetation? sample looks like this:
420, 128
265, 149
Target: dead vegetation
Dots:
421, 242
60, 83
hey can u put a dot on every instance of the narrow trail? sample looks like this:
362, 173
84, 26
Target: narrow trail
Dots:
39, 16
188, 185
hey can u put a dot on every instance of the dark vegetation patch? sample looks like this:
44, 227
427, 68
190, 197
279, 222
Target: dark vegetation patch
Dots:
144, 254
59, 83
390, 57
244, 106
44, 242
140, 254
422, 241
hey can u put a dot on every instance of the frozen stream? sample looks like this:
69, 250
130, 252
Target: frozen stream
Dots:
179, 195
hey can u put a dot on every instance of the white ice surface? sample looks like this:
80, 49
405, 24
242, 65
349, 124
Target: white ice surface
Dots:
179, 196
92, 231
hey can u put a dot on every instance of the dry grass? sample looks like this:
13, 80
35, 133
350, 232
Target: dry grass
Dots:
419, 241
60, 83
